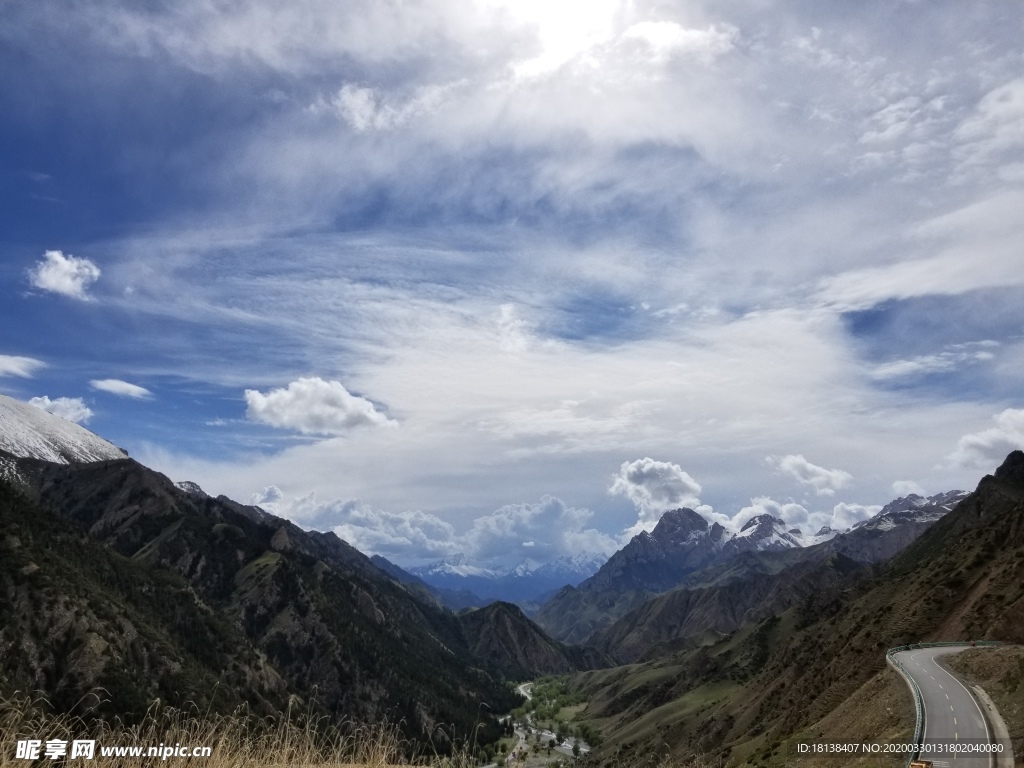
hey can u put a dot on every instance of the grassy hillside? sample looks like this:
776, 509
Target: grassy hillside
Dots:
114, 582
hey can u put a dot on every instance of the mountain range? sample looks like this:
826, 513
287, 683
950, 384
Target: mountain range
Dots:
525, 582
746, 696
684, 550
118, 587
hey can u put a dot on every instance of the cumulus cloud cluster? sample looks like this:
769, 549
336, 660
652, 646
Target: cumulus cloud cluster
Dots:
654, 487
314, 406
839, 518
825, 482
541, 530
67, 275
71, 408
907, 487
986, 449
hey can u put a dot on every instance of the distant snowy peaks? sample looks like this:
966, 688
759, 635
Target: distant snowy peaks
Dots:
31, 432
582, 564
913, 509
456, 565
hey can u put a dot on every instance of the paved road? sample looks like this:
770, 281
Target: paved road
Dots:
950, 711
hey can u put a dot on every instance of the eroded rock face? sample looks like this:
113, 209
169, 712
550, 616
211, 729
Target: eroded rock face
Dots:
280, 542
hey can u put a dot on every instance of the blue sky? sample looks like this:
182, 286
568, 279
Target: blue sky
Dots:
455, 276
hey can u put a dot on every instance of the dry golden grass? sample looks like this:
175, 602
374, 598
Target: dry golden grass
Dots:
237, 741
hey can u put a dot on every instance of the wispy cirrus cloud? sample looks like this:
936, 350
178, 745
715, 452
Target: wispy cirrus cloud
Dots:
23, 367
825, 482
548, 238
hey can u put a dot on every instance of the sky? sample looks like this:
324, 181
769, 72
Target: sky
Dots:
513, 277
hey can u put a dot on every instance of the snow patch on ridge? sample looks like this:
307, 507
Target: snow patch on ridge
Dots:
30, 432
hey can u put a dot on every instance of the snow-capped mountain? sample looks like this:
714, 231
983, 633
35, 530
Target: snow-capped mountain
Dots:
683, 542
34, 433
457, 566
192, 489
523, 581
568, 567
765, 532
912, 509
684, 548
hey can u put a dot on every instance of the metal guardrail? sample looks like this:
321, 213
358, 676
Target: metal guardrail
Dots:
890, 657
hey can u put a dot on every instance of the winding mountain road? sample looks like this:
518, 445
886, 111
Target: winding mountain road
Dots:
951, 713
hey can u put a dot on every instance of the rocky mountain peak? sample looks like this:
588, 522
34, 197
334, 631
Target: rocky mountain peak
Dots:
1012, 469
191, 488
763, 523
679, 522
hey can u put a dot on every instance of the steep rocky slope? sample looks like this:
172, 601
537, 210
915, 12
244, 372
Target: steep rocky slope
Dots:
502, 635
683, 551
698, 616
742, 697
112, 577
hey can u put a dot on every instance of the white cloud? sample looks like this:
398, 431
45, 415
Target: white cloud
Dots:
839, 518
560, 529
666, 38
269, 495
906, 487
617, 175
70, 408
824, 481
122, 388
363, 109
513, 331
654, 487
986, 450
543, 531
845, 515
942, 362
314, 406
25, 367
970, 248
795, 515
67, 275
996, 127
